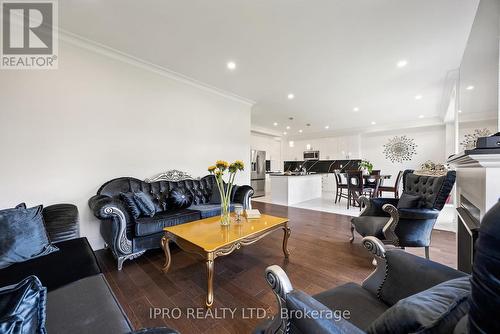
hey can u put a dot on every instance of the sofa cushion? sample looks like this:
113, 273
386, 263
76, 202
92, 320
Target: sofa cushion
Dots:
435, 310
215, 195
151, 225
61, 222
74, 260
363, 306
370, 226
22, 307
22, 235
208, 210
145, 204
85, 306
131, 204
409, 201
180, 198
308, 315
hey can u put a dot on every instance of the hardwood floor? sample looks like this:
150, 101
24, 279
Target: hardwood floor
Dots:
321, 258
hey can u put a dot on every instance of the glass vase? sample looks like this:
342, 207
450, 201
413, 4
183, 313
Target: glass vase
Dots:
225, 217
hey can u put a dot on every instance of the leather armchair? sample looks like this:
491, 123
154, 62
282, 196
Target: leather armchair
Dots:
392, 280
405, 227
128, 237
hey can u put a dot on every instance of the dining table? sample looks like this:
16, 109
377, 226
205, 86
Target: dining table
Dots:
378, 178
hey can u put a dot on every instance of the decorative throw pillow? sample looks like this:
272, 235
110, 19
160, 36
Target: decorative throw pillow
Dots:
23, 235
22, 307
180, 198
21, 206
435, 310
145, 204
129, 200
409, 201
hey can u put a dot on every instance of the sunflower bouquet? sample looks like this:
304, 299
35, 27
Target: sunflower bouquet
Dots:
219, 170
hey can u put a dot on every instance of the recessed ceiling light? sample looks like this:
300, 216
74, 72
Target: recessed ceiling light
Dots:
300, 131
291, 96
470, 87
275, 123
231, 65
418, 97
285, 133
355, 109
460, 111
373, 122
421, 116
402, 63
288, 127
327, 127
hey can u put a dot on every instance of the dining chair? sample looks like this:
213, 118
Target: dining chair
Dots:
341, 186
355, 186
393, 189
372, 183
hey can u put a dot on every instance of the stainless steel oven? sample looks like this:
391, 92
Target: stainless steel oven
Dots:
311, 155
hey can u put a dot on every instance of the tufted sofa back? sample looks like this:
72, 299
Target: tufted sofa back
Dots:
433, 189
159, 191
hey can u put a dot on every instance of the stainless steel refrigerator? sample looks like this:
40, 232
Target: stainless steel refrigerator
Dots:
258, 173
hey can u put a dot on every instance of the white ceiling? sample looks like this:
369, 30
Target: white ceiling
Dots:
479, 67
334, 55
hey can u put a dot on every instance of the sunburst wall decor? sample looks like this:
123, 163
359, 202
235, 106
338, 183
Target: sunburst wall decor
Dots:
399, 149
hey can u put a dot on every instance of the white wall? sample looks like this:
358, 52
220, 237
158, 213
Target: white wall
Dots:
431, 145
65, 132
469, 127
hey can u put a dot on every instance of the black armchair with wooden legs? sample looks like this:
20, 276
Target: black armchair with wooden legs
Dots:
395, 222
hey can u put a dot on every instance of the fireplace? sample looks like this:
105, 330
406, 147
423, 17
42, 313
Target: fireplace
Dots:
467, 233
478, 189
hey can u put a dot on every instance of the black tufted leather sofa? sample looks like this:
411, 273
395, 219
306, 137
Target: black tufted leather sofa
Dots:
128, 237
406, 227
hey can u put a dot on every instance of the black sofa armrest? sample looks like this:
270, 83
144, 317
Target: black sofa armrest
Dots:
99, 203
374, 206
61, 222
400, 274
418, 214
243, 195
291, 302
115, 212
310, 316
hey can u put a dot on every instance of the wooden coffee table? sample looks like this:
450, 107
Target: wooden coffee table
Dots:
206, 237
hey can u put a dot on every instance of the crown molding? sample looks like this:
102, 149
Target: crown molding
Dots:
265, 131
110, 52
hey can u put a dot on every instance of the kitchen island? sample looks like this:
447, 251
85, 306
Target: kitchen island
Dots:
292, 189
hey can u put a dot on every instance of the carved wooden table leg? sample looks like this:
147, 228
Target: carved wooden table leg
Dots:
210, 280
166, 250
286, 235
